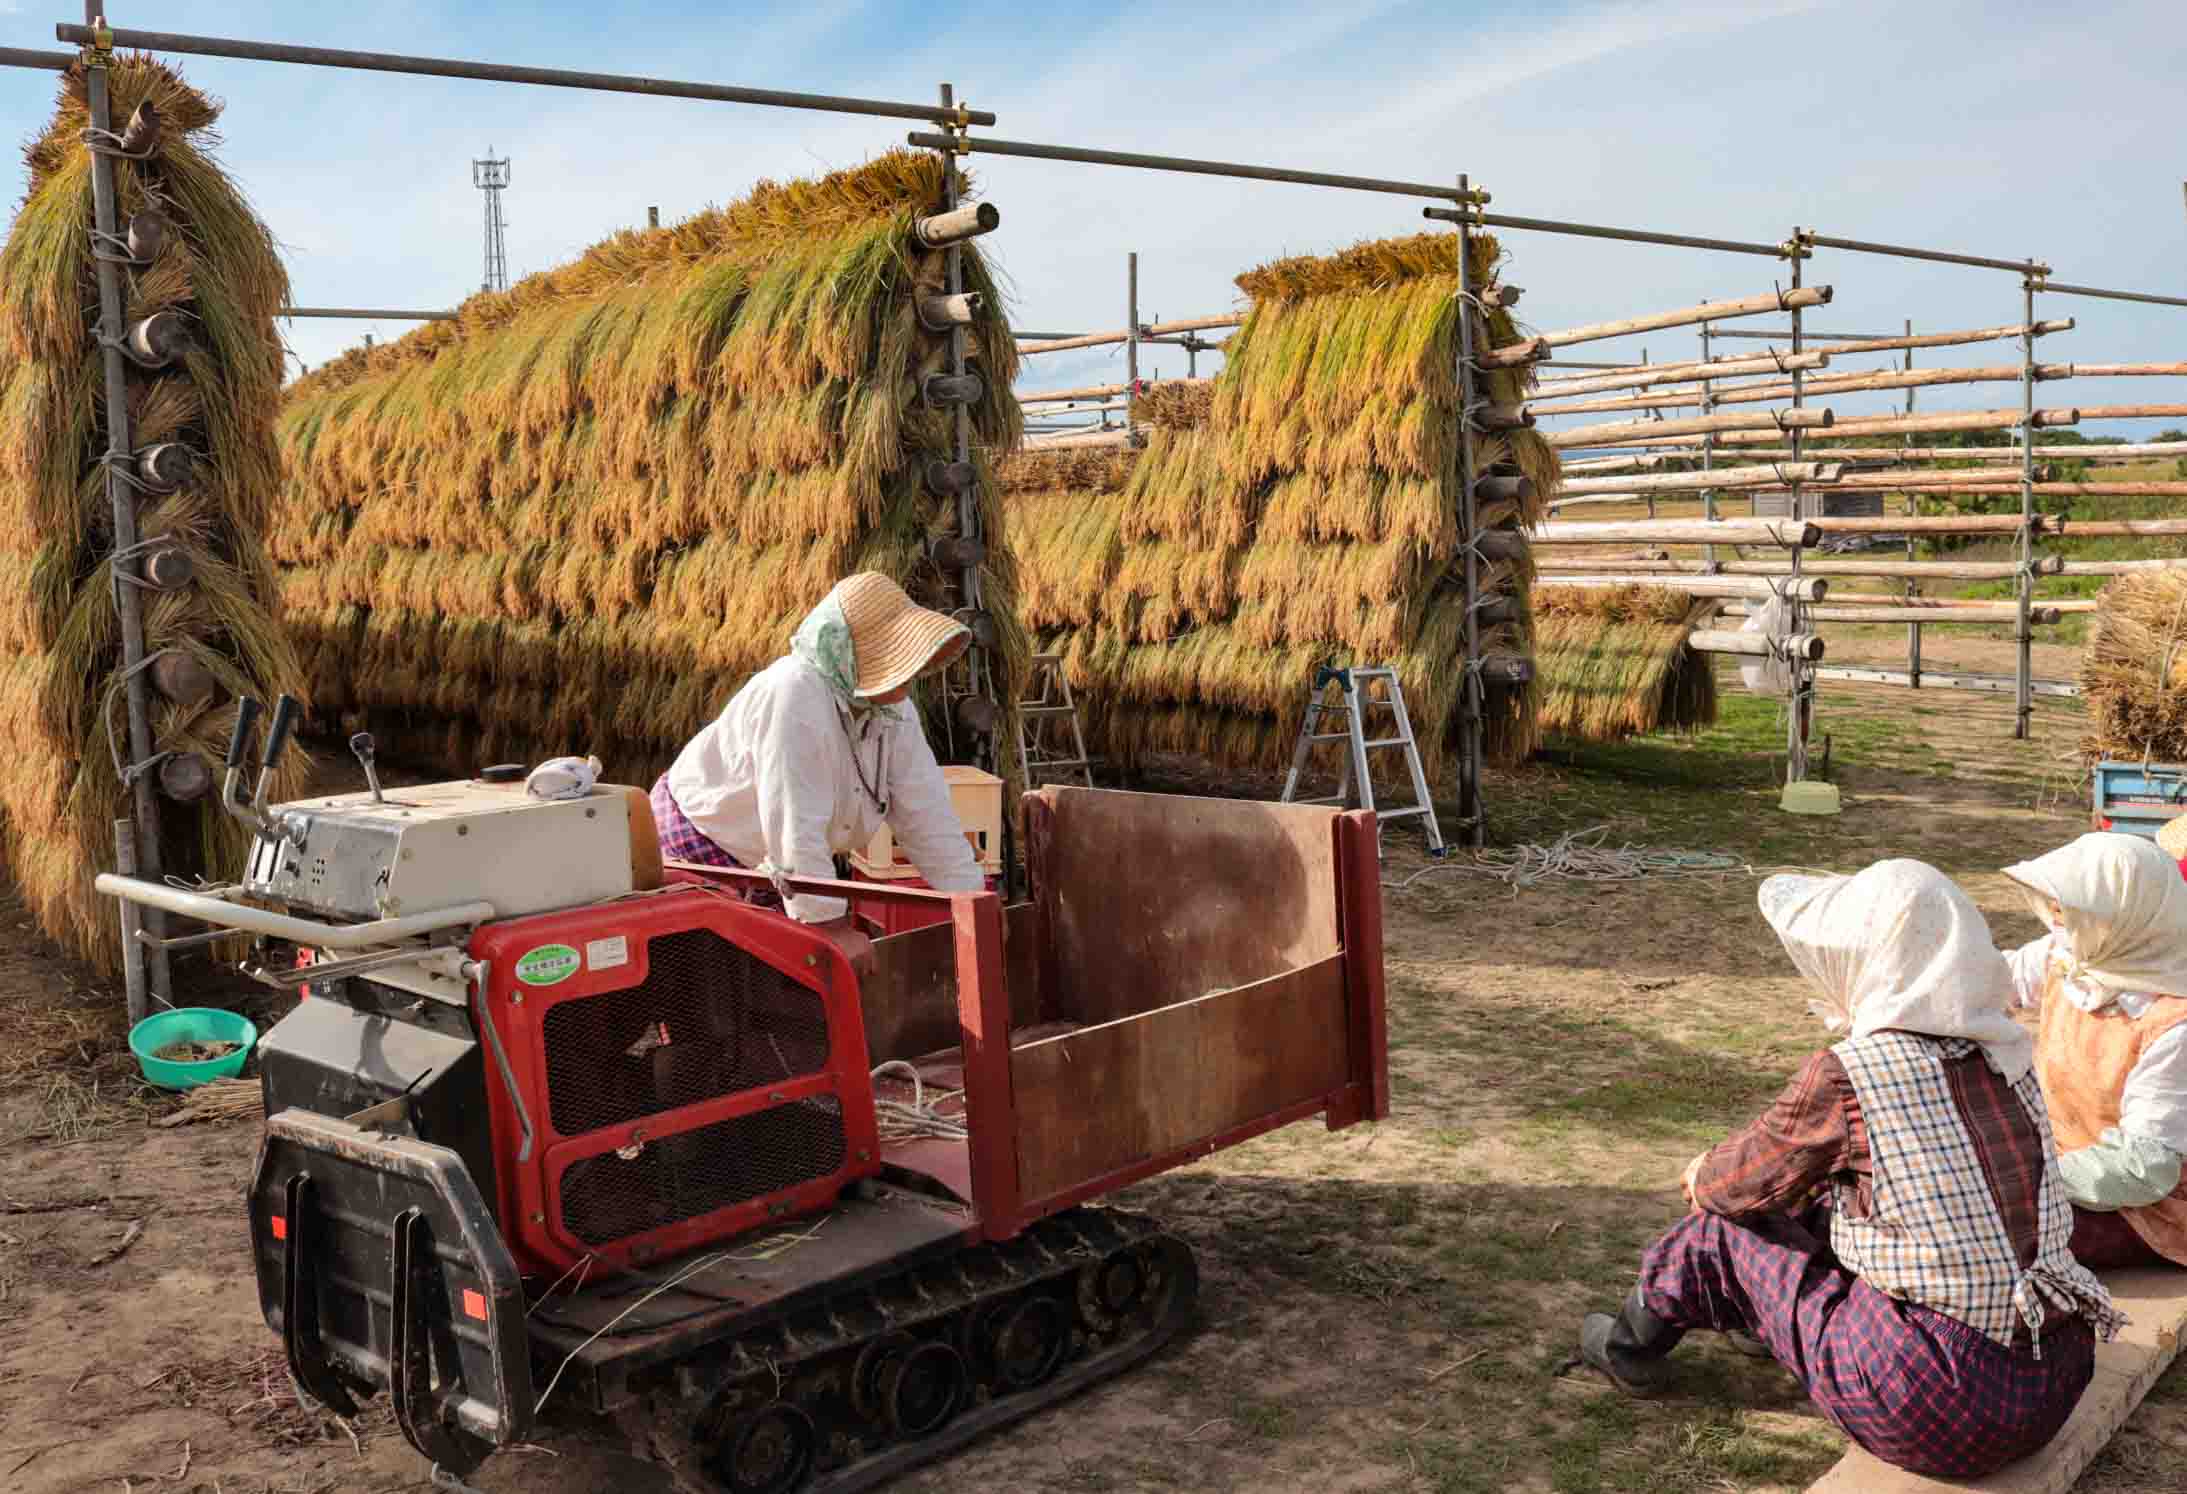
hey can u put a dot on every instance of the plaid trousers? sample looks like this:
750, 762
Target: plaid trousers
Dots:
683, 841
1917, 1388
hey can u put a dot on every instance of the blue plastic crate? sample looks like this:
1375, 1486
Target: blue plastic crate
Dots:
2137, 798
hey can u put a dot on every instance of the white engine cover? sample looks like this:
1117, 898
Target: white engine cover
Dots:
441, 844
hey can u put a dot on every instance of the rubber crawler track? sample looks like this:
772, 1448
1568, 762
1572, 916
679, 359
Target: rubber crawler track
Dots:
811, 1362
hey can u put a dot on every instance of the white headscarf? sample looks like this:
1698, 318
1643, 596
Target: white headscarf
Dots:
1898, 947
2124, 911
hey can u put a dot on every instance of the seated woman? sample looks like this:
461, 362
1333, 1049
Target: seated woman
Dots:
2111, 980
818, 750
1928, 1302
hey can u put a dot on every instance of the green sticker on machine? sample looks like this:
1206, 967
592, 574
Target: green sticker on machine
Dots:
547, 965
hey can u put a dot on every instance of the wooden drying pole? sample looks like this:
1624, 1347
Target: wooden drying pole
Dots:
1635, 431
1643, 571
1771, 475
1807, 646
1671, 373
1686, 316
1833, 384
1125, 334
1863, 425
1796, 534
1801, 588
2094, 455
1987, 614
1921, 340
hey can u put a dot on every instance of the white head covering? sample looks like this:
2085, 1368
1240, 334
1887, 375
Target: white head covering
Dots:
2124, 911
1899, 947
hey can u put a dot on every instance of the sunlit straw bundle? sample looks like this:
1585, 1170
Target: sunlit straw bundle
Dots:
578, 516
1614, 663
60, 640
1301, 508
2134, 672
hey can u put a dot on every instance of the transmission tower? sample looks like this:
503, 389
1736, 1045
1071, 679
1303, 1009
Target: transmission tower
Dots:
492, 178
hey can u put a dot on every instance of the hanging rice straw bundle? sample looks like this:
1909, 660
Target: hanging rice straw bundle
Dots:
624, 481
61, 780
1301, 508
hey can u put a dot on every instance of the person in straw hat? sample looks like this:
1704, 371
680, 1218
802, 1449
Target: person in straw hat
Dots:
2110, 982
818, 750
1892, 1230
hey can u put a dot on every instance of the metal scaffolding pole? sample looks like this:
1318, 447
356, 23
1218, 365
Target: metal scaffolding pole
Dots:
143, 796
1802, 683
1473, 706
1131, 339
495, 72
365, 314
1913, 582
1238, 169
2024, 676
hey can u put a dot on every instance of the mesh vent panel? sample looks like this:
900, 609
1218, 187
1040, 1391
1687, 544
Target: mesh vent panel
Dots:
612, 1197
709, 1020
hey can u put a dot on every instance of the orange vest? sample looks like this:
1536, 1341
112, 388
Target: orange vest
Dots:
2083, 1059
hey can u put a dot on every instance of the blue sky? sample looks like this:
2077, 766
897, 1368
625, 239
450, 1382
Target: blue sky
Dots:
1999, 129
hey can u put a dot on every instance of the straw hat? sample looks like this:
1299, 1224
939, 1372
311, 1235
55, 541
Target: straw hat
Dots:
2172, 838
894, 640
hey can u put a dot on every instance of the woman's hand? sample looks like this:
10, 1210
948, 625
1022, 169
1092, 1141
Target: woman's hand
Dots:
1685, 1183
846, 936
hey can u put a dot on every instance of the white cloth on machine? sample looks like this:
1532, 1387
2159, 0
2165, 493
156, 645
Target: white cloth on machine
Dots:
563, 778
779, 781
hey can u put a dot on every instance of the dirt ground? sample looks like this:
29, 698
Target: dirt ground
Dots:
1383, 1309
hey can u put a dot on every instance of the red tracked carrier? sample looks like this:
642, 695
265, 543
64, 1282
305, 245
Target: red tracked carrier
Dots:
688, 1068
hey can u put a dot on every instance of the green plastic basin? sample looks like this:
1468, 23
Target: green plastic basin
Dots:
191, 1024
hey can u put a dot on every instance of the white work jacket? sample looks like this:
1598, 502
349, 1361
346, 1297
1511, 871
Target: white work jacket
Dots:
772, 782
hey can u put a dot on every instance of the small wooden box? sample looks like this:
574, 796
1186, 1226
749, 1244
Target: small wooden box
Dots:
977, 798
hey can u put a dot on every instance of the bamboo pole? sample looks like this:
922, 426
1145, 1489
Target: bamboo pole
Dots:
1946, 339
1686, 316
1060, 396
1804, 588
2120, 528
2060, 605
2132, 412
1929, 523
1939, 570
2052, 489
1745, 394
1924, 479
1986, 614
2130, 370
1771, 421
1808, 646
1884, 425
1087, 441
1109, 339
2123, 567
1650, 375
1620, 464
1720, 477
1798, 533
2096, 455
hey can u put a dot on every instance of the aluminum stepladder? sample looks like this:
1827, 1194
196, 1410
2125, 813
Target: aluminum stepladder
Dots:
1353, 703
1049, 704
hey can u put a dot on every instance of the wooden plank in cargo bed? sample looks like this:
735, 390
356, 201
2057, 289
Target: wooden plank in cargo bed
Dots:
1102, 1099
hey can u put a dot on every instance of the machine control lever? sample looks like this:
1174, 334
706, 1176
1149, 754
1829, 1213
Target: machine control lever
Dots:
246, 717
361, 745
285, 712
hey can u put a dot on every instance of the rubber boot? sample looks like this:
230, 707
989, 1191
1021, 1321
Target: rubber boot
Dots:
1629, 1347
